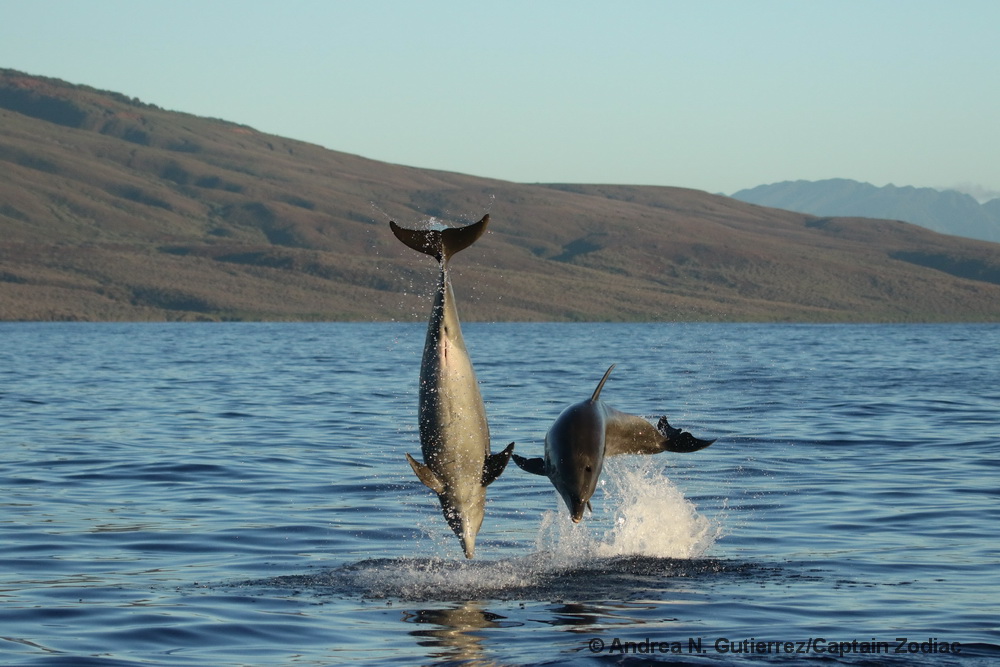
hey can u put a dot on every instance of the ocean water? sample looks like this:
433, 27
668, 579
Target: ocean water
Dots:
237, 494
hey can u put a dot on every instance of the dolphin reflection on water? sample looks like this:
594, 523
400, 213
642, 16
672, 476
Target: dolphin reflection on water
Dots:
454, 434
587, 432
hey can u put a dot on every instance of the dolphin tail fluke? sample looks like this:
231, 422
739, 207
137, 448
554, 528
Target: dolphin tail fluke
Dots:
600, 385
441, 243
630, 434
679, 441
495, 464
426, 475
535, 466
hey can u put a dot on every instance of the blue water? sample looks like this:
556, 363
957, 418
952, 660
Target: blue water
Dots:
237, 494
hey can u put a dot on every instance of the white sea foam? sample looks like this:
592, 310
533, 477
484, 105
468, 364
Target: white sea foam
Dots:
637, 511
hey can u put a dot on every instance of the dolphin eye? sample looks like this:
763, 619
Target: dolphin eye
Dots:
588, 468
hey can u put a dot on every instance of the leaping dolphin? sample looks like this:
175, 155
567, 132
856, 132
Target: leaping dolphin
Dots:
587, 432
454, 435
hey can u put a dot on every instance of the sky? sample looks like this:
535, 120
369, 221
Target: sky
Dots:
716, 95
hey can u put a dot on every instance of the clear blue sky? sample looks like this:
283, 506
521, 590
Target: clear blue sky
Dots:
714, 95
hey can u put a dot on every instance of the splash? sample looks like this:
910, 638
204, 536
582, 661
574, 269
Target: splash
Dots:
643, 533
642, 526
652, 516
642, 513
441, 578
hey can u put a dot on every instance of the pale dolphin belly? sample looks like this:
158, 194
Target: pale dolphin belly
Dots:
454, 432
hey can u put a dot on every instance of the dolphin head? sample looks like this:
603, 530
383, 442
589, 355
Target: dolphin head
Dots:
577, 489
465, 516
574, 449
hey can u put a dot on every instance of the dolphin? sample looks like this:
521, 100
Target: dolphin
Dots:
587, 432
454, 435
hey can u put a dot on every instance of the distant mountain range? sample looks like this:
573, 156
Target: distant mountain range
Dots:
115, 209
945, 211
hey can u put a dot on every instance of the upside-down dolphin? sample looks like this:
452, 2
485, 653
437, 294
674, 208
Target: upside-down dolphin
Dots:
587, 432
454, 435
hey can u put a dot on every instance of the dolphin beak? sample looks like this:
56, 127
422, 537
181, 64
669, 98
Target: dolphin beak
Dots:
463, 528
469, 545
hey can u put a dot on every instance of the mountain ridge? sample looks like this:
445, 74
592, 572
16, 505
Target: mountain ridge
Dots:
114, 209
944, 211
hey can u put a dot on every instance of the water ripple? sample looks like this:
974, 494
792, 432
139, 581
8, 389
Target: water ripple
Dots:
238, 494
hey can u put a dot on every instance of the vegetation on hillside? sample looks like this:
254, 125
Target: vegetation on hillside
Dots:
113, 209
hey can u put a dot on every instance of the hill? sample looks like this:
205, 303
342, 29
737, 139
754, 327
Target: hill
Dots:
945, 211
114, 209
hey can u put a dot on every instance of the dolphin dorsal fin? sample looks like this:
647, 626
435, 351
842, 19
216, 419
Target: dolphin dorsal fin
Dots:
441, 243
600, 385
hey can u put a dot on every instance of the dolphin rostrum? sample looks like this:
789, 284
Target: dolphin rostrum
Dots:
454, 435
587, 432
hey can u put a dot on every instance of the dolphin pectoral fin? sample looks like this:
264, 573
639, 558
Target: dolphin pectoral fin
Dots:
589, 507
495, 464
535, 466
426, 475
679, 441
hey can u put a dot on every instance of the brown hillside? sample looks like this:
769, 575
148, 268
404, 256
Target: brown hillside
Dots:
111, 209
